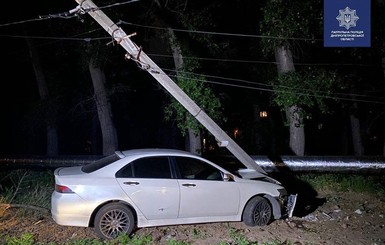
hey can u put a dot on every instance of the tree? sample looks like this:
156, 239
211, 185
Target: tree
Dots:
194, 134
283, 22
109, 136
379, 34
95, 57
193, 84
48, 108
202, 95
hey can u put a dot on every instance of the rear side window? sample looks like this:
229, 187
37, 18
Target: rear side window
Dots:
149, 167
89, 168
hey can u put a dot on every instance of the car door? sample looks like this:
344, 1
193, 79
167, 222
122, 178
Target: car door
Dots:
149, 184
203, 191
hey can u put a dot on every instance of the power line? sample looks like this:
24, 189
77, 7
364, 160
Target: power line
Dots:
56, 38
79, 10
271, 86
117, 4
271, 89
20, 22
67, 14
216, 59
89, 39
73, 12
218, 33
260, 61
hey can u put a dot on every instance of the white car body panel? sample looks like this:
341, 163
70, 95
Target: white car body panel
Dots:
205, 198
144, 193
156, 201
185, 221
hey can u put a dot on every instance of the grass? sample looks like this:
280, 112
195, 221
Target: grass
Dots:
27, 239
34, 188
238, 239
346, 182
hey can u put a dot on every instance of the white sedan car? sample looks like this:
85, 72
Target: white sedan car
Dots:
156, 187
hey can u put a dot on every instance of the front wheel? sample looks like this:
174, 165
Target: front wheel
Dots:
257, 212
113, 220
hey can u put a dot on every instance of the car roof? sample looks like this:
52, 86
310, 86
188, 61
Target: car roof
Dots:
157, 151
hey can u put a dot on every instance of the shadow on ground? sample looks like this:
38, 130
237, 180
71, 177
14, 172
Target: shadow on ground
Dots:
307, 199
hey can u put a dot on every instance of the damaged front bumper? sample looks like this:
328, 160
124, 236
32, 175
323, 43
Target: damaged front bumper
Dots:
290, 205
287, 203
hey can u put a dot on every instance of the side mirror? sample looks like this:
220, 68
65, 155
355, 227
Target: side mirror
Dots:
227, 177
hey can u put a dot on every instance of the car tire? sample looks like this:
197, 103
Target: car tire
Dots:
258, 212
113, 220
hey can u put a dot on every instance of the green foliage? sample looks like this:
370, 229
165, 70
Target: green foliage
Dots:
197, 234
239, 238
195, 87
86, 242
286, 20
276, 243
22, 187
24, 239
134, 240
341, 182
311, 88
122, 239
176, 242
201, 19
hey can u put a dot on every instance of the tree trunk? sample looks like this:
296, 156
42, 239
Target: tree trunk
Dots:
52, 138
195, 144
355, 127
109, 136
356, 135
194, 139
383, 68
284, 59
296, 129
176, 50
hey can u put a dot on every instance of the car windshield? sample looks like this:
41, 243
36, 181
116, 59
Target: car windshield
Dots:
229, 164
100, 163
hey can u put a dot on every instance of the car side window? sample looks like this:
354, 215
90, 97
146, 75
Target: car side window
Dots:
191, 168
148, 167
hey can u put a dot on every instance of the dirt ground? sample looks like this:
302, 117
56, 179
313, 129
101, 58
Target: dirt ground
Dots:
338, 218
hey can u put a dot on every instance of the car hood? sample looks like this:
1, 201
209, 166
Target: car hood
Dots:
247, 173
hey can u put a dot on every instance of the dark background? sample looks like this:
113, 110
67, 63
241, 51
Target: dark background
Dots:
138, 100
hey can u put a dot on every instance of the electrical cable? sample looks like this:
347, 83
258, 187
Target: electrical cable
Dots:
269, 90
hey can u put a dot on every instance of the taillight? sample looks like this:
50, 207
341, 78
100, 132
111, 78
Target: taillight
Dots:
63, 189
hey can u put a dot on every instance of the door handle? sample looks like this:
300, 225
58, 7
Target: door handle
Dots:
131, 183
189, 185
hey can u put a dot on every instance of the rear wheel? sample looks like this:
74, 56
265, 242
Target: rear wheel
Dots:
257, 212
113, 220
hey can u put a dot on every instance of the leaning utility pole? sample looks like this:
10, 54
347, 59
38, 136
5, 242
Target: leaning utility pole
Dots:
136, 54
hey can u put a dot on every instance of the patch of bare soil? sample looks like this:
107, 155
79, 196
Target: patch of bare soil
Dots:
341, 218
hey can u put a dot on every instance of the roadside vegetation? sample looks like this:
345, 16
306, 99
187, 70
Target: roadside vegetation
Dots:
30, 192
